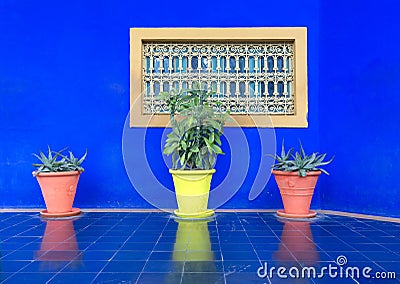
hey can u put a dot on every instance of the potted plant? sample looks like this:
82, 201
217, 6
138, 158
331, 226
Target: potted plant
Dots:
296, 175
58, 175
194, 144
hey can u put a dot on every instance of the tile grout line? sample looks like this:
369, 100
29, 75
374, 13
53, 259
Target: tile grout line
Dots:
220, 247
93, 242
16, 272
115, 253
60, 270
152, 250
116, 230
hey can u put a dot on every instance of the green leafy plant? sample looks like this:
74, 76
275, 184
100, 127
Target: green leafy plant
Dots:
195, 140
300, 162
57, 161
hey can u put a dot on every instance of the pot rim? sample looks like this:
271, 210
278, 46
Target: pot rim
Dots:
192, 172
296, 173
51, 174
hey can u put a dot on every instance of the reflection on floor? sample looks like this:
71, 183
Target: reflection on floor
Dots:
231, 248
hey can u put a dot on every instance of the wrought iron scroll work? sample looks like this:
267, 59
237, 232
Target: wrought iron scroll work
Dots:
249, 78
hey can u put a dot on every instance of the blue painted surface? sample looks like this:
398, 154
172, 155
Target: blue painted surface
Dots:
64, 80
156, 248
359, 63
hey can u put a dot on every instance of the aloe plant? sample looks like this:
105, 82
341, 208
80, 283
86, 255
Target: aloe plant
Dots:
300, 162
57, 161
195, 140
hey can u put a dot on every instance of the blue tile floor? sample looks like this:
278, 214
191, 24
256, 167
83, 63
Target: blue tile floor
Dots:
240, 248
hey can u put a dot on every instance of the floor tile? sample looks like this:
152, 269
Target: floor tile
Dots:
328, 280
29, 277
393, 266
203, 266
131, 255
163, 266
202, 255
351, 256
166, 255
62, 278
124, 266
27, 255
381, 255
108, 247
97, 255
236, 247
242, 266
5, 275
153, 278
235, 278
45, 266
239, 255
13, 266
137, 246
116, 278
201, 278
170, 247
84, 266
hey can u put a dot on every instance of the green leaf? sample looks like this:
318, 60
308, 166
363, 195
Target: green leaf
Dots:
207, 142
322, 170
283, 153
57, 162
183, 144
303, 154
169, 150
299, 161
182, 160
83, 158
216, 149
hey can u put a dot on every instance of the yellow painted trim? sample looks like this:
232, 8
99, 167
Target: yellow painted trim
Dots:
296, 34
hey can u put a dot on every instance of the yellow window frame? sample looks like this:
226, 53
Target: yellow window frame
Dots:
298, 35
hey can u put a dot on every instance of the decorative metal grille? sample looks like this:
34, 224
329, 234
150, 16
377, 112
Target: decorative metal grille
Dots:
249, 78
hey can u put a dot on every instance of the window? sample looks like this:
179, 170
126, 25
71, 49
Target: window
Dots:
256, 72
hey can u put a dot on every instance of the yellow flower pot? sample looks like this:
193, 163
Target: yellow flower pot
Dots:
192, 188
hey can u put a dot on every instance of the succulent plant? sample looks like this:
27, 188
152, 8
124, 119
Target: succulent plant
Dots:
300, 162
56, 161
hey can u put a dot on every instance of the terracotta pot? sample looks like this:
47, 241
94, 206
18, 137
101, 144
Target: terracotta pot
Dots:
58, 189
296, 191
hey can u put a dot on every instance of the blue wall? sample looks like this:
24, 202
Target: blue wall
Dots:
358, 105
64, 80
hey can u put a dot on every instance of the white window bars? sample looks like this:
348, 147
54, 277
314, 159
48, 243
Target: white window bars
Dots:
249, 78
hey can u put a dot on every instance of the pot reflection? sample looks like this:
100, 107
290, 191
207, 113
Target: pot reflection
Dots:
58, 245
194, 237
193, 246
297, 240
296, 248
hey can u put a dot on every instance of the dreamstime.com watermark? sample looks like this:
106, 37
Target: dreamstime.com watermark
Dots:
339, 269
